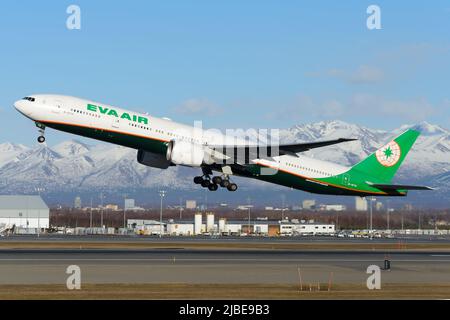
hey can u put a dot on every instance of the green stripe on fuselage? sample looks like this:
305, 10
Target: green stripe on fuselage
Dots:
344, 184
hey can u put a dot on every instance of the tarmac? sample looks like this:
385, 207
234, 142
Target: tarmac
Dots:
233, 266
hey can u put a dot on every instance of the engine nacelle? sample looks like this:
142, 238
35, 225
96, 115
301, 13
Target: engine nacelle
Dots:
151, 159
185, 153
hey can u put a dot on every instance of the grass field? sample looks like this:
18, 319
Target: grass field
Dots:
224, 291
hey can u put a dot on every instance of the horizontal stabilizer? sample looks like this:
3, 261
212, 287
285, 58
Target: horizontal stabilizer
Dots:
399, 187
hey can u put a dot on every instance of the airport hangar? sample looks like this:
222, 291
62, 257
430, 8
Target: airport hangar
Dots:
24, 211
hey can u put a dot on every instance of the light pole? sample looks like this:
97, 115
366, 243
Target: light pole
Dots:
371, 199
367, 213
101, 210
124, 210
387, 212
337, 220
283, 198
248, 207
419, 221
39, 212
402, 221
162, 194
90, 217
181, 208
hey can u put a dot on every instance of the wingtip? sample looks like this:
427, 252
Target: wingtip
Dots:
428, 188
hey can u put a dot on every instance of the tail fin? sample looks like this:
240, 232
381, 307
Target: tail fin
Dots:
384, 162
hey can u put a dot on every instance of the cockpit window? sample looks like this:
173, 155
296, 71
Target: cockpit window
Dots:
29, 99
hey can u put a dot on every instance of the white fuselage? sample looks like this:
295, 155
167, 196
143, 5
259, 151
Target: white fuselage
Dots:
71, 111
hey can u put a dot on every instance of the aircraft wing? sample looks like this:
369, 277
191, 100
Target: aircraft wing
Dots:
301, 147
283, 149
399, 187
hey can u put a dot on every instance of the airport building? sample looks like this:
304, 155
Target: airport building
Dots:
113, 207
332, 207
206, 225
309, 204
191, 204
180, 229
146, 227
130, 205
24, 212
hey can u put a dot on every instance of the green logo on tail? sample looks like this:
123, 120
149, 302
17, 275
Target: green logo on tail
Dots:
389, 154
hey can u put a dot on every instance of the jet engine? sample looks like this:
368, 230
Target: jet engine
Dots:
185, 153
153, 160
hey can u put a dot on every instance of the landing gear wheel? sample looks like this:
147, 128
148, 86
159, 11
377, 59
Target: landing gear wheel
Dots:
213, 187
225, 183
41, 130
217, 180
232, 187
205, 183
198, 180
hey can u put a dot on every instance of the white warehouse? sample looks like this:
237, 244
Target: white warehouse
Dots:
313, 228
24, 212
180, 229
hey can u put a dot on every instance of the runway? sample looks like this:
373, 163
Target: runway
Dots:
234, 266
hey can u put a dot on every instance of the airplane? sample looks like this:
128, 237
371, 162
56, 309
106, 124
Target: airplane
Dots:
162, 143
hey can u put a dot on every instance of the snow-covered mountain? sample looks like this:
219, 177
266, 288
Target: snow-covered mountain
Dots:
72, 165
9, 152
429, 156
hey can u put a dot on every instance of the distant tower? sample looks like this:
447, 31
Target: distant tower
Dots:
198, 223
129, 204
209, 222
360, 204
77, 203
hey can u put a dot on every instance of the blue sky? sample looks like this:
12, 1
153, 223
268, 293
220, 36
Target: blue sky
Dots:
232, 64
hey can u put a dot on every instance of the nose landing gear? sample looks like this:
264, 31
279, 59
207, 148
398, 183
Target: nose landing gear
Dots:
41, 129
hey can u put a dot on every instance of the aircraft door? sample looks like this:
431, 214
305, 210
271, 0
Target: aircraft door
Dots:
115, 124
57, 106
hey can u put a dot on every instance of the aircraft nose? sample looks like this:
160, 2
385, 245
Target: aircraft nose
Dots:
19, 105
23, 106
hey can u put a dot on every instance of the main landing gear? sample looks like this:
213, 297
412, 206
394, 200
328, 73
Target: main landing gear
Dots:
213, 183
41, 129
